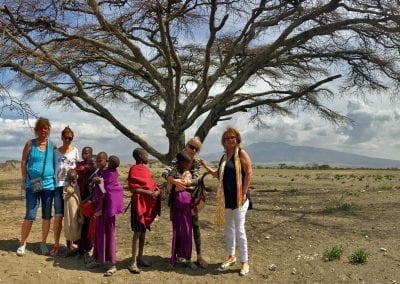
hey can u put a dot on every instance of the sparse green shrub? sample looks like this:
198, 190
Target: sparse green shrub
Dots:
293, 190
353, 193
333, 253
359, 256
389, 177
386, 187
345, 207
324, 167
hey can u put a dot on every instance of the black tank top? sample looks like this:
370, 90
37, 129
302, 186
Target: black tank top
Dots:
229, 182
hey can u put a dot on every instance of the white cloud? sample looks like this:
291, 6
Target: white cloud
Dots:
375, 131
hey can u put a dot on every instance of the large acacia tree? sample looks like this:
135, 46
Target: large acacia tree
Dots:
199, 60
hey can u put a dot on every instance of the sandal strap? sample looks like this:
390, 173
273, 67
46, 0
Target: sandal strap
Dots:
43, 249
54, 251
21, 251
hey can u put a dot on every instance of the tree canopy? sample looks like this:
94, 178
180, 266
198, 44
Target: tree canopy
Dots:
202, 61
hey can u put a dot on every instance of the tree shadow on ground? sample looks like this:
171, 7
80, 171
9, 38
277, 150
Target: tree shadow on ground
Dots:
12, 245
9, 245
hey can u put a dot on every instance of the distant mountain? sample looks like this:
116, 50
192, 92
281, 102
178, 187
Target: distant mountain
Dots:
269, 153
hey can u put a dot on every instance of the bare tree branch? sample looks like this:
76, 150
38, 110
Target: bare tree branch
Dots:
199, 59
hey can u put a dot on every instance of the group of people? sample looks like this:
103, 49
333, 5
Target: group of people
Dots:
87, 196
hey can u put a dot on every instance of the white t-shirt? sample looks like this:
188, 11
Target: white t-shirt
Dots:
63, 163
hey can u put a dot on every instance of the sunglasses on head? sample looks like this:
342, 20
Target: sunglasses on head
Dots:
194, 148
68, 138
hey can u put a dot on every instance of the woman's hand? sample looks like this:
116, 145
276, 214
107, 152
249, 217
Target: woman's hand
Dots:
213, 172
97, 180
70, 190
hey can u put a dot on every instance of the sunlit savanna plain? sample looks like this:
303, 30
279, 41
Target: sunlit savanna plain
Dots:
298, 214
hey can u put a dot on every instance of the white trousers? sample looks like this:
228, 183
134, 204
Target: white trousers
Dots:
235, 230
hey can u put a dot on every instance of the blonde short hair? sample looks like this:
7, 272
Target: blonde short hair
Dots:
234, 131
195, 141
40, 123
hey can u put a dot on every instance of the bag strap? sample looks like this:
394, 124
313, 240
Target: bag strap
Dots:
45, 158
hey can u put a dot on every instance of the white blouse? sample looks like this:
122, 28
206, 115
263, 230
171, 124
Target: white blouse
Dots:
64, 162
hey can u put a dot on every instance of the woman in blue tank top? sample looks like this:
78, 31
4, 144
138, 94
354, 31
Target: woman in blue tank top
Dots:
37, 161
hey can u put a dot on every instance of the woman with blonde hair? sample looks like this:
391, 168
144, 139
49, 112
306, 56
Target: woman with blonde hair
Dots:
37, 164
192, 148
234, 174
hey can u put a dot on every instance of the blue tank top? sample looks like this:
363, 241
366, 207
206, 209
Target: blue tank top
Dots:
35, 164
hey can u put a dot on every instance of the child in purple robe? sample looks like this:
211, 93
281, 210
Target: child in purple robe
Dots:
181, 215
108, 199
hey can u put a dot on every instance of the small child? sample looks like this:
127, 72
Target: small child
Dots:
107, 197
72, 216
181, 215
145, 206
85, 170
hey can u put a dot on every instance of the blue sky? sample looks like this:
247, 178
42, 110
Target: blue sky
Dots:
375, 131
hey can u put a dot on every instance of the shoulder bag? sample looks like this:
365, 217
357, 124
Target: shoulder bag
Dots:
37, 183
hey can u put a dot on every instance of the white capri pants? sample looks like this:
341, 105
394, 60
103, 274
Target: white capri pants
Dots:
235, 230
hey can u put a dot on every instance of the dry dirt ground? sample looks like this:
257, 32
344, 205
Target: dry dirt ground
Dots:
297, 215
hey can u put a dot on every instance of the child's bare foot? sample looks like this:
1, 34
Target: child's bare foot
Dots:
134, 269
201, 262
110, 271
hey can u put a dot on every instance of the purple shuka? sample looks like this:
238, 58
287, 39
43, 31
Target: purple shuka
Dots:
181, 226
114, 199
111, 202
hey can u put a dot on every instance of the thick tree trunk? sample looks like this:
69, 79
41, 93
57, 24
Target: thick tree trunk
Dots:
176, 143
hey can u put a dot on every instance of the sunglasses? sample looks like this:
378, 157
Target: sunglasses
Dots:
194, 148
68, 138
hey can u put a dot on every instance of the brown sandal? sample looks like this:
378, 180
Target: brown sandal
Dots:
54, 251
202, 263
